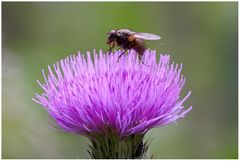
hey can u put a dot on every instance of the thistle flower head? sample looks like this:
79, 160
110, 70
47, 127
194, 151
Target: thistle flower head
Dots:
87, 95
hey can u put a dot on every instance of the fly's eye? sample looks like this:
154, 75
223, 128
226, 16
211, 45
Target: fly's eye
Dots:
111, 36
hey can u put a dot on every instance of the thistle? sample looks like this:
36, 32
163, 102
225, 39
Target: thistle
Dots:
113, 103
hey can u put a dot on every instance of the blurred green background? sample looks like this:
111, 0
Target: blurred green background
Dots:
203, 36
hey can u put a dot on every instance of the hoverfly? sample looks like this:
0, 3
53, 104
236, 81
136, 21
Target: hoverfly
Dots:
127, 39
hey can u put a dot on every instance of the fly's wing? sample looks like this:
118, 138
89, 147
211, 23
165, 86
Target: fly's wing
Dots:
146, 36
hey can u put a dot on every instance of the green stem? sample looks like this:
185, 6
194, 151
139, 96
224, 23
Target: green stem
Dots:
111, 146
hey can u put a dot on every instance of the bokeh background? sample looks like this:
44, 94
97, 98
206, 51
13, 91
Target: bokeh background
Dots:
203, 36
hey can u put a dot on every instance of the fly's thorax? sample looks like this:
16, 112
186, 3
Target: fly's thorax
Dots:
125, 31
123, 42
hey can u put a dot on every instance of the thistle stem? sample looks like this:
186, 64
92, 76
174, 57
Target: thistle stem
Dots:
111, 146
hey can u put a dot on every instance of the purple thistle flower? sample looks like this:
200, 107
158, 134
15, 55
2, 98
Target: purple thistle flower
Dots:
128, 97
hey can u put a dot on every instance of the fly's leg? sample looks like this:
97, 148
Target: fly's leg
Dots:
140, 59
110, 48
121, 55
139, 56
145, 64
